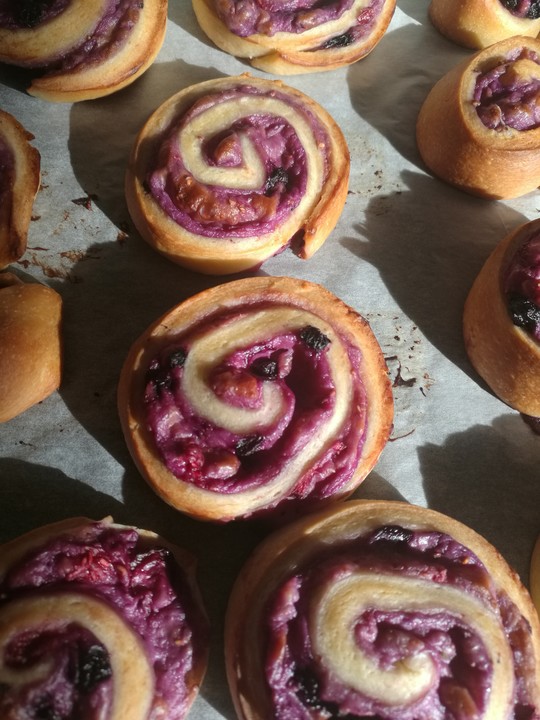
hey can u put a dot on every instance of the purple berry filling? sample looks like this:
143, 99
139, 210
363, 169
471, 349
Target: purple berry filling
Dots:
214, 458
523, 8
300, 685
211, 211
363, 27
110, 34
506, 98
268, 17
521, 285
15, 14
145, 586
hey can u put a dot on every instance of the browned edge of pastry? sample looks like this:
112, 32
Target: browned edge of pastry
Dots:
16, 210
30, 344
503, 354
476, 24
459, 149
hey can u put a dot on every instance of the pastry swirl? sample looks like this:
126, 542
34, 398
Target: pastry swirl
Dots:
298, 37
230, 172
98, 615
385, 610
84, 48
30, 344
501, 320
479, 127
19, 183
477, 24
261, 396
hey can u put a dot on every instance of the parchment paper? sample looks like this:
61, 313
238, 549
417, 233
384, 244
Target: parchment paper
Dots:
404, 253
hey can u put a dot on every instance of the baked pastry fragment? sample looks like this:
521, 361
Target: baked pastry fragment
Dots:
98, 620
19, 183
477, 24
81, 49
384, 610
30, 344
229, 172
298, 37
265, 396
501, 320
479, 127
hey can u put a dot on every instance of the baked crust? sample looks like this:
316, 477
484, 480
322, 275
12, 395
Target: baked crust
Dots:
290, 302
132, 671
477, 24
30, 344
282, 555
17, 199
287, 53
506, 356
534, 575
459, 149
315, 216
41, 45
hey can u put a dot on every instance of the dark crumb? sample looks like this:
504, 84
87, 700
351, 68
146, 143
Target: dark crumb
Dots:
86, 201
35, 217
400, 382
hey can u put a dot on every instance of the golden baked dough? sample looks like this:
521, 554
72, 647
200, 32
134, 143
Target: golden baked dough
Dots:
30, 344
303, 39
507, 355
380, 609
103, 615
260, 396
534, 575
87, 50
229, 172
19, 183
497, 156
477, 24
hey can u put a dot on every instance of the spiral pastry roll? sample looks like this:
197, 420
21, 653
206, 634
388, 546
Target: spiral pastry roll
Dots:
98, 620
501, 321
381, 610
81, 49
30, 344
19, 183
479, 23
230, 172
262, 396
479, 127
297, 37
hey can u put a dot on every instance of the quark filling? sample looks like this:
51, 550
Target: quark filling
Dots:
214, 458
523, 8
268, 17
521, 285
302, 687
145, 586
508, 95
213, 211
109, 36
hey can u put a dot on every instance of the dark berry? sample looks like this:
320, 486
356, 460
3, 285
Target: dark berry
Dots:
248, 445
45, 711
524, 312
94, 667
392, 533
177, 358
314, 338
159, 379
30, 12
265, 368
339, 41
308, 692
278, 175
